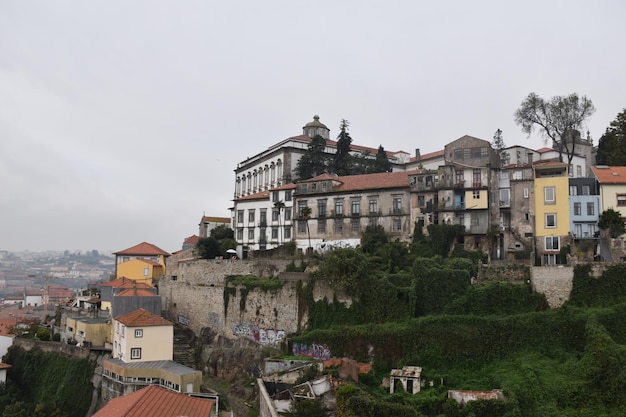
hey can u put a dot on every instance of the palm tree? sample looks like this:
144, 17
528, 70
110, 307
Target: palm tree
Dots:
280, 206
305, 214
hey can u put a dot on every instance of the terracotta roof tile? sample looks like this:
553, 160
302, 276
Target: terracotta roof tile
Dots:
133, 292
192, 240
143, 248
262, 195
368, 181
610, 175
124, 282
142, 318
154, 401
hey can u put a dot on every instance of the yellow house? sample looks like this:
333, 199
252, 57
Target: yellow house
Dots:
95, 332
143, 349
551, 187
141, 336
152, 257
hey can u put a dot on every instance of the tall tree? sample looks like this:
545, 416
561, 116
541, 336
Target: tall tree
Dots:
498, 145
342, 160
556, 119
280, 206
382, 164
305, 214
612, 145
314, 161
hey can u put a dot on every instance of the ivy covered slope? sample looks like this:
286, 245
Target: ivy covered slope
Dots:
423, 311
46, 384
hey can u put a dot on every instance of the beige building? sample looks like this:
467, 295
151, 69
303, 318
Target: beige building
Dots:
342, 207
141, 336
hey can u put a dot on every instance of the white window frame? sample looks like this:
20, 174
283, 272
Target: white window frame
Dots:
553, 221
138, 333
135, 353
549, 242
546, 196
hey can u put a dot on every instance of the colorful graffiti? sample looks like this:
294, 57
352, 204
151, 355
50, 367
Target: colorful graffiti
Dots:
263, 336
315, 351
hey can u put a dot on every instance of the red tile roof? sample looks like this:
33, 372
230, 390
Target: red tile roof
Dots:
124, 282
368, 181
262, 195
191, 240
610, 175
154, 401
544, 150
136, 292
430, 155
144, 249
142, 318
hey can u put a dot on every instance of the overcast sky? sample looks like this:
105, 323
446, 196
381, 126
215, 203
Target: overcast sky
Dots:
122, 121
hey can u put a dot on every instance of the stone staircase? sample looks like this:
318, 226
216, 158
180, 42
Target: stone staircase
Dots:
183, 350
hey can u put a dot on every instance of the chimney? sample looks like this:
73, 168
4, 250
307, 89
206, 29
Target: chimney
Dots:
417, 154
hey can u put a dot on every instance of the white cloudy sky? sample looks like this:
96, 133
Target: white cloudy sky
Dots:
122, 121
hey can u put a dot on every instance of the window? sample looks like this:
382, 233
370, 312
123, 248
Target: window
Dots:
590, 209
274, 233
251, 234
301, 226
621, 200
355, 225
526, 193
484, 152
459, 176
321, 226
585, 190
263, 219
466, 153
552, 243
275, 215
549, 195
476, 152
505, 197
397, 224
577, 209
475, 221
135, 353
476, 182
550, 220
174, 278
579, 171
356, 207
138, 333
573, 190
287, 232
517, 175
373, 221
476, 194
239, 216
421, 201
321, 208
303, 188
287, 195
373, 206
397, 204
504, 174
338, 226
240, 234
458, 154
251, 216
274, 196
287, 215
338, 207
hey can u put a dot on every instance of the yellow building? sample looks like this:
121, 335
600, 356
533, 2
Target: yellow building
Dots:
94, 332
142, 262
551, 211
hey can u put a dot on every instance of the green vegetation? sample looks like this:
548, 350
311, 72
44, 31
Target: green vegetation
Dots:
245, 283
46, 384
423, 311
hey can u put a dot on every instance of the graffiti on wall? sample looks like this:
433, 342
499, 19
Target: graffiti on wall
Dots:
315, 351
262, 336
183, 320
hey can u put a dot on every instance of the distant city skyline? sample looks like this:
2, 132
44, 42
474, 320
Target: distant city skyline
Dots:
124, 122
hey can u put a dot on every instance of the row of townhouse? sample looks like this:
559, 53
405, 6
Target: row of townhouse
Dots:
511, 202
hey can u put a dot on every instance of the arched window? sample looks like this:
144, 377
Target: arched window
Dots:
267, 176
243, 184
273, 174
279, 165
249, 182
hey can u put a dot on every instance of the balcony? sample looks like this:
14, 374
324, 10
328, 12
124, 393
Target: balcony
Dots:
477, 184
355, 213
